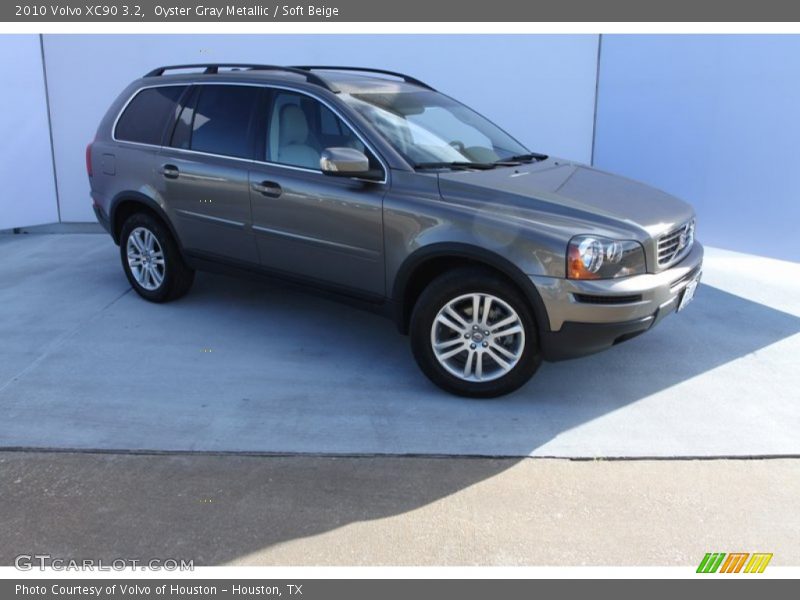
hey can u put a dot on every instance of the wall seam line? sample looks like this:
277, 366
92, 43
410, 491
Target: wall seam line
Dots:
596, 96
50, 126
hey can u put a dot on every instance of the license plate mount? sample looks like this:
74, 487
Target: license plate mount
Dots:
688, 293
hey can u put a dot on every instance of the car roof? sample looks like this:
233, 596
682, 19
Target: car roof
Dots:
349, 83
348, 80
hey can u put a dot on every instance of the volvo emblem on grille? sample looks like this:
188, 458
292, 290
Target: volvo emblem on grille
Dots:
682, 239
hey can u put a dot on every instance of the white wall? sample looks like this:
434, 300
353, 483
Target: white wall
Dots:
712, 119
540, 88
27, 195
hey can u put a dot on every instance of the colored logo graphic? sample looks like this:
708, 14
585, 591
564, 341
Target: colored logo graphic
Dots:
735, 562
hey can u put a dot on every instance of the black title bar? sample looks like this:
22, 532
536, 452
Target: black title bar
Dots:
177, 11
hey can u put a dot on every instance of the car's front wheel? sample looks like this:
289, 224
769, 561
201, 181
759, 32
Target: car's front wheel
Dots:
152, 261
473, 334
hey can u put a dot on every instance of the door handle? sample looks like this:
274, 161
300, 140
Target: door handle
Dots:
170, 171
268, 188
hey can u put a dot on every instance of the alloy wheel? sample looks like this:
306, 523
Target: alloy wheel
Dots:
146, 258
477, 337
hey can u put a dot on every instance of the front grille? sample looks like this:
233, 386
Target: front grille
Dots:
591, 299
675, 244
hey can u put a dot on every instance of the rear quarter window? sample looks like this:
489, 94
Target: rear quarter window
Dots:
147, 115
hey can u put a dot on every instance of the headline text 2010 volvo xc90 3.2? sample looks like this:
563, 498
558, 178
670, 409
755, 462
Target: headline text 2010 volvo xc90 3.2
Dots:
373, 186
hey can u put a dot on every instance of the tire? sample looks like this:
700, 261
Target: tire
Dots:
152, 261
512, 334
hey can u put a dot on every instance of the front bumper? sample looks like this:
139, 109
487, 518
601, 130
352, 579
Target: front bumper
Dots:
585, 317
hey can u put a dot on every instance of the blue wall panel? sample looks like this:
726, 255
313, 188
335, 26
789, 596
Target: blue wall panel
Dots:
712, 119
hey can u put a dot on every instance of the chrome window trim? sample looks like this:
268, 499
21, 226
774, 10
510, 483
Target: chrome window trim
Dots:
251, 161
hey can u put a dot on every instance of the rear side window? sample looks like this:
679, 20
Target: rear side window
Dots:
221, 120
148, 114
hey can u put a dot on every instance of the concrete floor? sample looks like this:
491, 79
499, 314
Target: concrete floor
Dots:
305, 510
246, 366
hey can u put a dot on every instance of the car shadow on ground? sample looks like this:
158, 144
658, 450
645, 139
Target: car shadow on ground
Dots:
363, 367
286, 372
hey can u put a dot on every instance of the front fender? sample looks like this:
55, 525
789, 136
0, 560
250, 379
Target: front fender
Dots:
467, 253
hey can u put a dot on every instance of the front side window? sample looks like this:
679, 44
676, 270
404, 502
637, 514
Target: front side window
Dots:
301, 127
220, 122
427, 127
148, 114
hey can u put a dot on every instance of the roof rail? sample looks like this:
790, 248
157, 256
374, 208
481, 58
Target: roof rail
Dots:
406, 78
213, 69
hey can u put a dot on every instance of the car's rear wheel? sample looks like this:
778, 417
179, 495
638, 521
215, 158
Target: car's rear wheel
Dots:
152, 261
473, 334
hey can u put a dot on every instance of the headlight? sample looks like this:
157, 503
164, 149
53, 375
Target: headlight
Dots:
594, 257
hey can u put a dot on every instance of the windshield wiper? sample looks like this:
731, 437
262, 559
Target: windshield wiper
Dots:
530, 157
483, 166
455, 165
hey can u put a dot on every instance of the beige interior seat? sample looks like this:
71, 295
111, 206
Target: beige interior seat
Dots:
294, 145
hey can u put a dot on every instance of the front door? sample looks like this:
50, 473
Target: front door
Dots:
326, 229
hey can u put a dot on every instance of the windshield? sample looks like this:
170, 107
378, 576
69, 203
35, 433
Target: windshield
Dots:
427, 127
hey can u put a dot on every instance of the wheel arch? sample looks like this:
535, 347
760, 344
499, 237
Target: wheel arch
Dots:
427, 263
127, 203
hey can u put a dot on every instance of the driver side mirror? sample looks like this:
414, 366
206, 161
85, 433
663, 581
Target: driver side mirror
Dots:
347, 162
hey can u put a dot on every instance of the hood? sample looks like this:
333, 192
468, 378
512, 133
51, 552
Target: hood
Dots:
571, 190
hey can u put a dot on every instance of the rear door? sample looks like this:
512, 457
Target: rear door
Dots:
203, 172
326, 229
